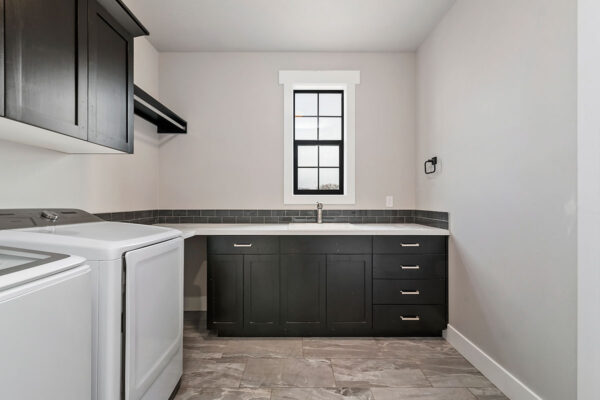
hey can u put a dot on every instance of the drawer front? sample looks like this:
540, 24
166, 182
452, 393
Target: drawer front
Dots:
409, 320
243, 244
406, 291
422, 266
326, 244
409, 244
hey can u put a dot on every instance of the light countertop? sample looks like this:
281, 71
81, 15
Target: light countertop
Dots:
190, 230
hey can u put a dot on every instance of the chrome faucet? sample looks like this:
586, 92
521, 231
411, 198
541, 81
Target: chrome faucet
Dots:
319, 213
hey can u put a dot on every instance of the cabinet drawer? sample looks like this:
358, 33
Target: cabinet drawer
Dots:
406, 291
326, 244
409, 320
409, 244
243, 245
422, 266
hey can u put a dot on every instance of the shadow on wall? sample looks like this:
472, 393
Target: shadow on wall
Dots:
194, 289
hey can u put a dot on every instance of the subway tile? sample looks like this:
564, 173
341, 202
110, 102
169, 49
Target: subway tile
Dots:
271, 220
397, 220
208, 213
292, 213
171, 220
200, 220
179, 213
383, 220
242, 220
264, 213
222, 213
186, 220
307, 213
375, 213
250, 213
215, 220
194, 213
257, 220
165, 213
277, 213
229, 220
369, 220
236, 213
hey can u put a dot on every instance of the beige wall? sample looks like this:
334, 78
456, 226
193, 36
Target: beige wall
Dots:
497, 105
588, 197
35, 177
232, 156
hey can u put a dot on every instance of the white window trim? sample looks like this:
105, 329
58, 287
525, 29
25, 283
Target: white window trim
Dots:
319, 80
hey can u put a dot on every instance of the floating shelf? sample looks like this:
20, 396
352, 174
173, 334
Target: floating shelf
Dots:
155, 112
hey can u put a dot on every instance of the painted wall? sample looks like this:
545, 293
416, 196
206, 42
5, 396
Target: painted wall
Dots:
588, 197
497, 105
35, 177
232, 156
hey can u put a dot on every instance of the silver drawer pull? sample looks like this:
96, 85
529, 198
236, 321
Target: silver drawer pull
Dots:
410, 318
242, 245
410, 244
410, 267
412, 292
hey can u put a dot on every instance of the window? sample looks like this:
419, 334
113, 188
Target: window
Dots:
318, 129
318, 142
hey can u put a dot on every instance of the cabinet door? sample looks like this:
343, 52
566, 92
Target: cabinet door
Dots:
349, 293
261, 294
111, 82
303, 294
46, 64
225, 291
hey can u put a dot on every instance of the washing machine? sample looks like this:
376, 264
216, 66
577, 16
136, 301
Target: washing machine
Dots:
137, 295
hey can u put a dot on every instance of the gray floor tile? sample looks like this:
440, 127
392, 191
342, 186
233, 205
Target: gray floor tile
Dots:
422, 394
202, 373
416, 349
340, 348
287, 372
377, 372
223, 394
321, 394
453, 372
489, 393
254, 347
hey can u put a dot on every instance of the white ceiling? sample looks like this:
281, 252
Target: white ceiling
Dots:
289, 25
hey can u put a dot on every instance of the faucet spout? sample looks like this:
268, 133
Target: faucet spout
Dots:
319, 213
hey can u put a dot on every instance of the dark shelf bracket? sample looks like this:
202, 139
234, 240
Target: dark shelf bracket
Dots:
155, 112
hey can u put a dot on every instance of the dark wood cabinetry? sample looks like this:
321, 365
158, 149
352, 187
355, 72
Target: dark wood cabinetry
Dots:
327, 285
67, 67
225, 292
349, 294
46, 65
261, 294
303, 291
110, 81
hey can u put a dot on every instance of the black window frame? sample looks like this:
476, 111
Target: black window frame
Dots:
317, 142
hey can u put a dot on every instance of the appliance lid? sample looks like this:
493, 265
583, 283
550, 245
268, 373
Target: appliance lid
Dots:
19, 266
94, 240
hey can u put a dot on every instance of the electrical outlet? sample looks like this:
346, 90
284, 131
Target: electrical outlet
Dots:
389, 201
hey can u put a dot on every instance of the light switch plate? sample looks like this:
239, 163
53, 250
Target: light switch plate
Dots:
389, 201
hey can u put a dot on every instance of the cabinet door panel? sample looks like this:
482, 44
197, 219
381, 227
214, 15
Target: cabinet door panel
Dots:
261, 294
225, 287
111, 82
46, 64
303, 293
349, 293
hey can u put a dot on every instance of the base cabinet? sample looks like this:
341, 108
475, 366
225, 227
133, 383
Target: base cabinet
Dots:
303, 291
327, 285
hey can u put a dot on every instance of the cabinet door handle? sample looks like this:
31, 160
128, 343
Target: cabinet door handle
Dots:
242, 245
411, 292
410, 267
410, 318
410, 244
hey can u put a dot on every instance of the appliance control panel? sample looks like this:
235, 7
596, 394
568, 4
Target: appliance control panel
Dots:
32, 217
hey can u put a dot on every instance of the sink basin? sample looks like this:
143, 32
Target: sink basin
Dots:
321, 227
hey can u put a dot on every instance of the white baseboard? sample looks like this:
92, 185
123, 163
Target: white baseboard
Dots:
512, 387
194, 303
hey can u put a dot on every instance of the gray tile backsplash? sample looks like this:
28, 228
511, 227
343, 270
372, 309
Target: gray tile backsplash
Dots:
437, 219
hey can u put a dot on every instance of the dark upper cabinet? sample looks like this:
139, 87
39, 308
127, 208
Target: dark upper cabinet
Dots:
67, 66
349, 300
261, 294
46, 64
110, 81
225, 292
303, 291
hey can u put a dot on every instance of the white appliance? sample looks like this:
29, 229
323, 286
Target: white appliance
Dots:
45, 326
137, 277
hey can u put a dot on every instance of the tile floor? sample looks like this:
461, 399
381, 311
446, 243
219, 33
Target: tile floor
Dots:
325, 369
